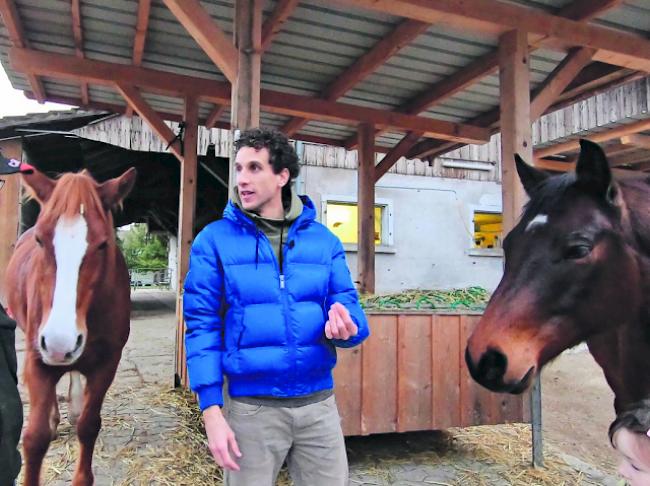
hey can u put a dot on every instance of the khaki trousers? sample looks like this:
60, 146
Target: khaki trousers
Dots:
309, 438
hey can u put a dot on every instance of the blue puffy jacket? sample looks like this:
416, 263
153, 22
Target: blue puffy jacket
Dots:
262, 326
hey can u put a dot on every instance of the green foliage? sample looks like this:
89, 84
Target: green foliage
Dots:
143, 250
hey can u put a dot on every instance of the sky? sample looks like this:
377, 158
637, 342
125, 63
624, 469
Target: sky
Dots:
13, 102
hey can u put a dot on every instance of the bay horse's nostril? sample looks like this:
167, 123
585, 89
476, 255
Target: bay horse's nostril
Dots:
43, 346
492, 366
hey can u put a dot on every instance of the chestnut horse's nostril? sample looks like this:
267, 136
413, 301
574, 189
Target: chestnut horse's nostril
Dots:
80, 340
492, 366
43, 346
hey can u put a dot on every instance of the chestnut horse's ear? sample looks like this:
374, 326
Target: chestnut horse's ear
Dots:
115, 190
592, 168
40, 185
529, 176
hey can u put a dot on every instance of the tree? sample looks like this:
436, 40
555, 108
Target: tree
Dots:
144, 250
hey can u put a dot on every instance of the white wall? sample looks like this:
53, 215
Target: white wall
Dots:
432, 228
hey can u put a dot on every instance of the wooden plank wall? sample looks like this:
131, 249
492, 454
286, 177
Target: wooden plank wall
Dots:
411, 375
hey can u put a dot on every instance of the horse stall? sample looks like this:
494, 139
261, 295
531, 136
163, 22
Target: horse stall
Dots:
410, 375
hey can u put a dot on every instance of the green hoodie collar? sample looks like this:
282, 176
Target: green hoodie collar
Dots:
290, 215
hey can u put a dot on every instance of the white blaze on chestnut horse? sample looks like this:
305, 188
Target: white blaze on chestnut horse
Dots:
68, 288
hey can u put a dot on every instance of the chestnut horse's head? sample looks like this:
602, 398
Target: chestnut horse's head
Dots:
74, 247
570, 274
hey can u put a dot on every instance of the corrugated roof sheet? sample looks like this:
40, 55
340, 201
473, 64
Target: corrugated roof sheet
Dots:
315, 46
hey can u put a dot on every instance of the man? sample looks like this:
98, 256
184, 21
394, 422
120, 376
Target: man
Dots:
11, 408
268, 297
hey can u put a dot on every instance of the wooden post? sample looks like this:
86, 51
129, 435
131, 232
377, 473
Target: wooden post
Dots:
366, 206
247, 33
514, 76
9, 210
187, 202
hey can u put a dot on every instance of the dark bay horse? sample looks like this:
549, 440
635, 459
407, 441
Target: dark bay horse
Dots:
577, 268
68, 288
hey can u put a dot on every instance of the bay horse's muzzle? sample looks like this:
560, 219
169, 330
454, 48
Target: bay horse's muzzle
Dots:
491, 370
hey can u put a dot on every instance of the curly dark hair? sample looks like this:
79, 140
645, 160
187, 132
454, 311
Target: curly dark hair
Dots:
281, 153
635, 418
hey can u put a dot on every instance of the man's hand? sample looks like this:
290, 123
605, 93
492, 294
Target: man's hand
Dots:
221, 438
340, 325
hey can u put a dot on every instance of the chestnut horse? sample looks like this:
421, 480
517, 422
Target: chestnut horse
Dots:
68, 288
577, 268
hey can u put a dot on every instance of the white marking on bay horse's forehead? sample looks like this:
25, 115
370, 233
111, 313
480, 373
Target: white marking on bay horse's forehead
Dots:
538, 220
69, 250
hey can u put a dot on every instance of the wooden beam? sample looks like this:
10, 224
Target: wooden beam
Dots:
214, 116
69, 67
178, 118
387, 47
617, 132
554, 165
629, 159
245, 112
395, 154
615, 47
141, 28
514, 87
366, 208
214, 42
11, 21
77, 34
9, 210
576, 9
274, 23
138, 103
636, 140
559, 79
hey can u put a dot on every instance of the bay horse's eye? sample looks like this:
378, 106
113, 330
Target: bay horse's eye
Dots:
576, 252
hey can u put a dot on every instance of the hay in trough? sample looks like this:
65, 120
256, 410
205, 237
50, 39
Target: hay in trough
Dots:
471, 298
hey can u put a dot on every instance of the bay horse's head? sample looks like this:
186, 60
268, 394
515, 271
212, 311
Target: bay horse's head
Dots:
569, 274
73, 247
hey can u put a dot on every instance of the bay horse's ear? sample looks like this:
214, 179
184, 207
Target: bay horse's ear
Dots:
40, 185
592, 168
115, 190
529, 176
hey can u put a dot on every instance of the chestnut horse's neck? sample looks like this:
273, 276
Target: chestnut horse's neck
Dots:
624, 352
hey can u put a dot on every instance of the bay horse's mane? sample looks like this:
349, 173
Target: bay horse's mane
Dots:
72, 192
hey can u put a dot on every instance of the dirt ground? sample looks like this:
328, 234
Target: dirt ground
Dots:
147, 428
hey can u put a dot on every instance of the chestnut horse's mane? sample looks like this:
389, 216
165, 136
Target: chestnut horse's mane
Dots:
72, 193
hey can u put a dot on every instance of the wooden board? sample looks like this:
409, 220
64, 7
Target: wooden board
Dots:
445, 362
414, 398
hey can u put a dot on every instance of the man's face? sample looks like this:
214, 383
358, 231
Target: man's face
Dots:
260, 189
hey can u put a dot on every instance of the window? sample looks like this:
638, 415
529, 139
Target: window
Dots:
488, 227
341, 216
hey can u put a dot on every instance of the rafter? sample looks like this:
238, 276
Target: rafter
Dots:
614, 46
395, 154
387, 47
617, 132
214, 42
214, 116
487, 64
11, 21
77, 33
106, 73
274, 23
148, 114
141, 28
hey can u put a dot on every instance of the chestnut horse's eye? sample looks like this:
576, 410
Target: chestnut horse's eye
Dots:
576, 252
103, 246
38, 240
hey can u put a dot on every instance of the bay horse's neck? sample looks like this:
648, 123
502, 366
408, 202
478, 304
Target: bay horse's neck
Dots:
624, 352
